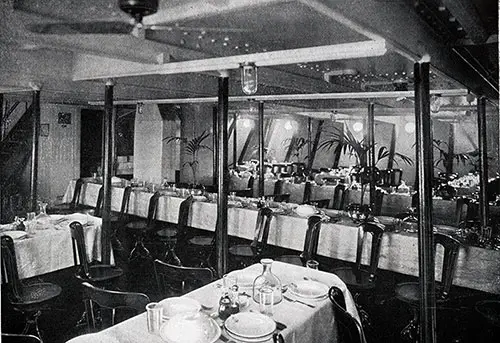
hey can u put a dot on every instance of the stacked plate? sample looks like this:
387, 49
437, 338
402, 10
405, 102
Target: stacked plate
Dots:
309, 289
250, 327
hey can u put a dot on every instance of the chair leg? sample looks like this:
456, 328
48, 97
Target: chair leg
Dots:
170, 256
139, 250
410, 331
31, 326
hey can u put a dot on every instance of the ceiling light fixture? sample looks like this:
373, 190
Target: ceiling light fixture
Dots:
249, 78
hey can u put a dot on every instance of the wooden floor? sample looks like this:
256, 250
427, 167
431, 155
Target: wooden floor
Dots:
457, 323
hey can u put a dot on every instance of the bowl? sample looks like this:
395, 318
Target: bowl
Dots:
179, 305
190, 328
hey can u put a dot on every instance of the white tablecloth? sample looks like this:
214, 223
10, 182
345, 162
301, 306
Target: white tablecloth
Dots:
477, 268
50, 248
304, 324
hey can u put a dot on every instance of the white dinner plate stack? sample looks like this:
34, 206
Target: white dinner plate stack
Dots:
250, 327
309, 289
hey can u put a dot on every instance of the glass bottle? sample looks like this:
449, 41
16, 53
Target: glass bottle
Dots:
267, 278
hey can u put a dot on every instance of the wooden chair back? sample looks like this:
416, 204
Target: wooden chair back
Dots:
451, 247
125, 204
152, 209
99, 203
76, 194
79, 250
261, 232
312, 238
182, 221
339, 197
307, 192
278, 187
170, 277
9, 268
350, 329
377, 231
113, 300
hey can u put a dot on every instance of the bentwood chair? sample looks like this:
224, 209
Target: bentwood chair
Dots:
174, 234
177, 280
73, 206
141, 227
19, 338
28, 299
246, 192
245, 254
320, 203
278, 194
339, 197
98, 274
310, 244
110, 300
409, 292
350, 329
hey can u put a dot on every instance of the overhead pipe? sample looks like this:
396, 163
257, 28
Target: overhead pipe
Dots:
483, 167
261, 149
221, 237
35, 136
425, 160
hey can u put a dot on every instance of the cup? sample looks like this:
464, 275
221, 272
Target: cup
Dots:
266, 300
229, 281
155, 317
312, 264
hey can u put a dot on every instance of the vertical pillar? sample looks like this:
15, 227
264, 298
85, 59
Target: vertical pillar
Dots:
309, 144
261, 149
235, 140
35, 135
371, 151
425, 234
215, 154
107, 170
1, 116
223, 176
483, 163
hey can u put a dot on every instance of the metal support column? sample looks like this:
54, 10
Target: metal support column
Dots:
235, 140
223, 176
107, 171
215, 154
425, 160
35, 136
483, 164
261, 149
371, 155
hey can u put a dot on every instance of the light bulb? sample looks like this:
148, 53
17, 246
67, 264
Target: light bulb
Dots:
249, 78
357, 126
410, 127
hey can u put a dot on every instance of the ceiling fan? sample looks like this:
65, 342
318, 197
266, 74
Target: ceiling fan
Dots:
136, 9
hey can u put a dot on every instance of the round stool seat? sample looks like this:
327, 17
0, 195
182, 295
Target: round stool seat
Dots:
201, 241
100, 273
36, 293
138, 225
167, 233
241, 250
347, 275
489, 310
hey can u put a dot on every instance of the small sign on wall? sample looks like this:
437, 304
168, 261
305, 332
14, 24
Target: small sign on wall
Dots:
64, 118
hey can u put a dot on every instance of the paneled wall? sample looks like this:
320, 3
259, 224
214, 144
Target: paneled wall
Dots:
59, 151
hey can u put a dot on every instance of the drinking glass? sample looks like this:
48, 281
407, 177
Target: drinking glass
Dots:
154, 315
229, 281
266, 300
312, 264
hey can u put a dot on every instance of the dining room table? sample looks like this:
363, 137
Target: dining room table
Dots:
47, 246
296, 322
477, 267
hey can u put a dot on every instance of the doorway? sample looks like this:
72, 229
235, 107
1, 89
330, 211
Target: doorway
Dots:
91, 142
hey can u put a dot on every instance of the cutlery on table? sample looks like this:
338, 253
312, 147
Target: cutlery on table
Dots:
287, 297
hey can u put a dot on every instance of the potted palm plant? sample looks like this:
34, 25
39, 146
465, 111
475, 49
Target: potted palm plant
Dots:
192, 147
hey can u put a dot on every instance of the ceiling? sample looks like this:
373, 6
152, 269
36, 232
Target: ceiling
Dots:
461, 37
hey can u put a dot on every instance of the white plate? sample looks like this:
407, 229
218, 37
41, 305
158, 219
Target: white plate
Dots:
15, 234
190, 328
249, 340
178, 305
199, 198
250, 325
309, 289
305, 210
